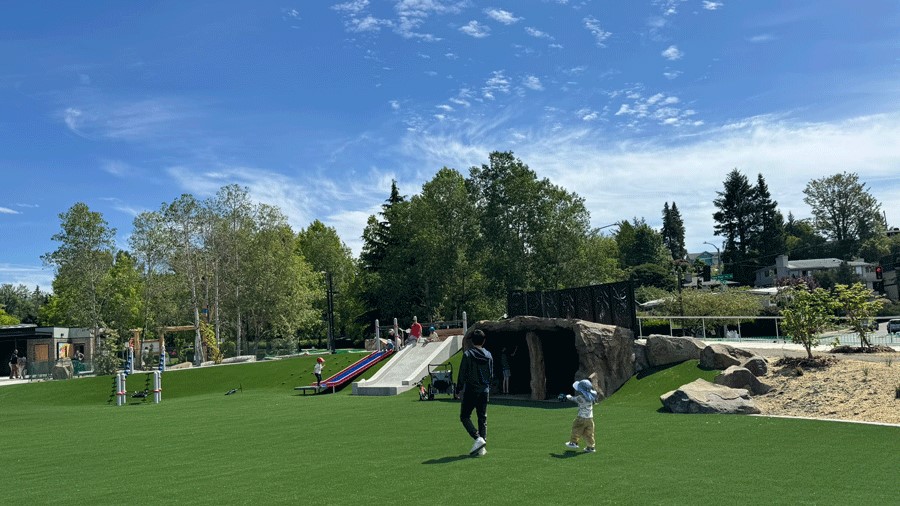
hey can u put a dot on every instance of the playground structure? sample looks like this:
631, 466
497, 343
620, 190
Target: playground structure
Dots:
408, 367
121, 391
346, 374
158, 345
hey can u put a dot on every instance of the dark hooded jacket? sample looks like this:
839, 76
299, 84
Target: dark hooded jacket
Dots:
476, 370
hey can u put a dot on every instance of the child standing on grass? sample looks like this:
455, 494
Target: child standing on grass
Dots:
317, 370
583, 426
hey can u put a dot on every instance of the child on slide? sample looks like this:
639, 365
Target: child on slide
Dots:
317, 370
583, 426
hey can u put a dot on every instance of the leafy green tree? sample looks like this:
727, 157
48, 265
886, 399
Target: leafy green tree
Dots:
829, 279
122, 290
323, 249
810, 312
600, 260
531, 230
802, 241
8, 319
653, 275
844, 211
707, 303
22, 303
859, 305
640, 244
81, 260
673, 231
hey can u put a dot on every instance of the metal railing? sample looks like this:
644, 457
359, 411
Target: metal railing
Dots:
707, 327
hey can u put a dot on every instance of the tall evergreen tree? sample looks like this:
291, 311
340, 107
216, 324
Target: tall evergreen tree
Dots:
768, 239
673, 231
735, 222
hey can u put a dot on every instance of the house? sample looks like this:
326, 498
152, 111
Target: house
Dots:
785, 268
706, 257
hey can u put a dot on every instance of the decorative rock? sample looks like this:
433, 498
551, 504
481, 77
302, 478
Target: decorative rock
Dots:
701, 396
664, 350
63, 369
740, 377
722, 356
640, 356
757, 365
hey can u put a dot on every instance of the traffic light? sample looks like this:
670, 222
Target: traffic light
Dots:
879, 272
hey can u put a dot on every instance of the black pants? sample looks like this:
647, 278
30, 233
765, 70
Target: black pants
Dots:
318, 378
478, 402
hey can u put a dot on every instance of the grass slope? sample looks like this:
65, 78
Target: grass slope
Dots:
64, 443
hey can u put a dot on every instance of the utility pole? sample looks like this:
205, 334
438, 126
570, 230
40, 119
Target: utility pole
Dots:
330, 314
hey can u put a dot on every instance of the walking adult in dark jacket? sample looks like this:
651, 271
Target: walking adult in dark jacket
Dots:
14, 364
474, 384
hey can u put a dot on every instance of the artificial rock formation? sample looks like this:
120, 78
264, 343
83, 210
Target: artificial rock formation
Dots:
721, 356
605, 353
740, 377
701, 396
63, 369
664, 350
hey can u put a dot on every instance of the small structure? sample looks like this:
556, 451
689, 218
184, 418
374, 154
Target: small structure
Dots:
43, 346
554, 352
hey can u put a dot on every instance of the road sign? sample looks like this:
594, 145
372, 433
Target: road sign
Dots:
724, 277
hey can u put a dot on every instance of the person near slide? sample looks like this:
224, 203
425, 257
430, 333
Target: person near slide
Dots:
473, 384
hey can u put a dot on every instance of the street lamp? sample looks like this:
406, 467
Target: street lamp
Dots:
718, 254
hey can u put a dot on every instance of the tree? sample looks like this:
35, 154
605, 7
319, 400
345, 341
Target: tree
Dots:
859, 307
653, 275
768, 237
323, 249
844, 274
7, 319
708, 303
735, 220
640, 244
531, 230
22, 303
802, 241
844, 211
673, 231
82, 260
810, 312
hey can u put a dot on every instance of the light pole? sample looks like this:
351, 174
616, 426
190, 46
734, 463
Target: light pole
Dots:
718, 254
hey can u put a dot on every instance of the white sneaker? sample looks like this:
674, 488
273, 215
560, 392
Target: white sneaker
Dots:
570, 444
478, 445
482, 451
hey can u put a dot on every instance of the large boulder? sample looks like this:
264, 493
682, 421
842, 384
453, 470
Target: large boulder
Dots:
701, 396
62, 369
721, 356
605, 352
740, 377
640, 356
664, 350
757, 365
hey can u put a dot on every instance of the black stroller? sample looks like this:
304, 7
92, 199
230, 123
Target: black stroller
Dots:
441, 380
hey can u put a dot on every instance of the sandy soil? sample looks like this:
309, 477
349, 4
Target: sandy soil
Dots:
847, 389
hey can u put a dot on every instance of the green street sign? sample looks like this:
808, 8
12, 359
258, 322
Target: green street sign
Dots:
724, 277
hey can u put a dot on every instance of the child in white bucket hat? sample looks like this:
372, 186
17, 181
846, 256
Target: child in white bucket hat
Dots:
583, 426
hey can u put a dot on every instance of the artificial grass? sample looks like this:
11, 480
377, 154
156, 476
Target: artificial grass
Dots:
270, 445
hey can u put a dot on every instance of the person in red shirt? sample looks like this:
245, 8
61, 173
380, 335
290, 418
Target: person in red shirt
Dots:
415, 329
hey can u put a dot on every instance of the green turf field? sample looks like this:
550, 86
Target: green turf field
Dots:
63, 443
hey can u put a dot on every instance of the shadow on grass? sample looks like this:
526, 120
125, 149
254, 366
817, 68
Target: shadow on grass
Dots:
447, 460
653, 370
566, 455
522, 402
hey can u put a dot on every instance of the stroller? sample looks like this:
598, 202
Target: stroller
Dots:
441, 380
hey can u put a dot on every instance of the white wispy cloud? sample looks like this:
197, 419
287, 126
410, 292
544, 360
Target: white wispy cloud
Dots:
672, 53
445, 107
367, 24
291, 13
6, 210
587, 114
659, 108
28, 275
668, 7
395, 105
502, 16
763, 37
353, 7
475, 29
711, 6
136, 120
788, 153
498, 82
534, 32
116, 167
672, 74
532, 83
600, 35
27, 206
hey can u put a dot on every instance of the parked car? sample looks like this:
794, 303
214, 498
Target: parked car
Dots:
893, 326
871, 324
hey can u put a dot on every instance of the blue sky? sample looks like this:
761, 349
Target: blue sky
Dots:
316, 106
